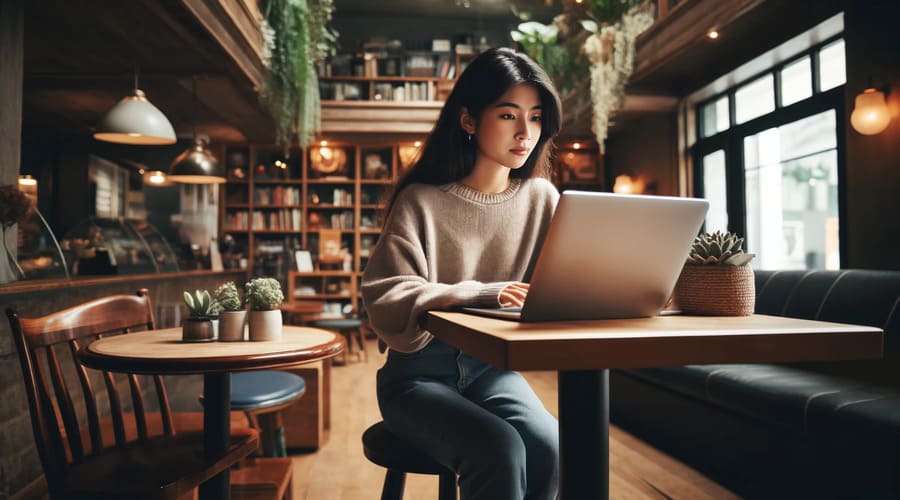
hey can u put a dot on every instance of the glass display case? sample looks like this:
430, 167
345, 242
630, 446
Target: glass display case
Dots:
38, 254
99, 246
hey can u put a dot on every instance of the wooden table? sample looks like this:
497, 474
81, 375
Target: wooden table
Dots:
583, 351
163, 352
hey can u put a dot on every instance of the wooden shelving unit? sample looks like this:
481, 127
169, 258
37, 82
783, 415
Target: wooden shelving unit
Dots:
274, 205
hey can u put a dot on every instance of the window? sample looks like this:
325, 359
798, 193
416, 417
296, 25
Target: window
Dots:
767, 158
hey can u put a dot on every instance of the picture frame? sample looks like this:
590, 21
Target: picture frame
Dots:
304, 261
581, 165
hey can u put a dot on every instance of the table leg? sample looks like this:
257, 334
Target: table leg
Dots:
584, 434
216, 430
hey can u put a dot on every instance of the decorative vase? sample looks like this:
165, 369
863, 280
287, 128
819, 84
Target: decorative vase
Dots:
716, 290
265, 325
200, 329
231, 325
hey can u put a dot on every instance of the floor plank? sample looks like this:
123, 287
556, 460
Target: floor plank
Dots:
339, 471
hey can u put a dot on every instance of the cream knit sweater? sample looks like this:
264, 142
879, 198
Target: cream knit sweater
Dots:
449, 246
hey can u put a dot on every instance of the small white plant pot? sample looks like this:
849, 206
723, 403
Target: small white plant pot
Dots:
231, 326
265, 325
200, 329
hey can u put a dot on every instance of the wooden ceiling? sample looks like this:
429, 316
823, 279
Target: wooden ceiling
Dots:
81, 55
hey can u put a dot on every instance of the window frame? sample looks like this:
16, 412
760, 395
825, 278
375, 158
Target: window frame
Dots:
731, 140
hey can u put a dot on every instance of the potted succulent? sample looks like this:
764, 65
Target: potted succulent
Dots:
202, 323
717, 279
233, 315
264, 296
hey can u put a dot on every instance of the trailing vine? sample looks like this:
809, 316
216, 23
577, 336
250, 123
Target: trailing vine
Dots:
296, 34
598, 35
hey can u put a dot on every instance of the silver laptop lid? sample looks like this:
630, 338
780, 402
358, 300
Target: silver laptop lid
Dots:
611, 256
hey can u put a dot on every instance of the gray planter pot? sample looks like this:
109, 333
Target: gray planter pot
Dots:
231, 326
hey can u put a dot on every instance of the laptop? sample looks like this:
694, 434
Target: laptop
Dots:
608, 256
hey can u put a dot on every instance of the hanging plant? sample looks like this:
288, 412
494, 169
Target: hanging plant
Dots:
296, 34
610, 50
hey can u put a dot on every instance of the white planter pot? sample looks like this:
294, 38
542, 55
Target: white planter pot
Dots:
231, 326
265, 325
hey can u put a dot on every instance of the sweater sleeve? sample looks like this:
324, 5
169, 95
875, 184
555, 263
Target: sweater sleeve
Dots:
397, 293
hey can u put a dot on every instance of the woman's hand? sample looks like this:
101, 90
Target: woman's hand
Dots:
513, 295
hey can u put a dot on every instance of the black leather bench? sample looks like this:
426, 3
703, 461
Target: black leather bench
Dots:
785, 431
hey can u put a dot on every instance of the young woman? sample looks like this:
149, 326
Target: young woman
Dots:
463, 229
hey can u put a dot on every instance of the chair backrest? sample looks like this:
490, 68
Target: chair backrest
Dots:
47, 348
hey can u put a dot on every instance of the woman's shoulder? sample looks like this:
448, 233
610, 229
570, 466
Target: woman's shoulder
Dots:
541, 188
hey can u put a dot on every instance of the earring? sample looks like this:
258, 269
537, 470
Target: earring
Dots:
469, 137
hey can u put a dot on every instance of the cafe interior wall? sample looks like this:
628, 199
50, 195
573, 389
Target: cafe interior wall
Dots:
65, 193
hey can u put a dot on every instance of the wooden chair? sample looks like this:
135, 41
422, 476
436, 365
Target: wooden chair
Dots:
99, 459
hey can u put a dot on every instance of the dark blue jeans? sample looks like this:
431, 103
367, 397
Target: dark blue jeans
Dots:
485, 423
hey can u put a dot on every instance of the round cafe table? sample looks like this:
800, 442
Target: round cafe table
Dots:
163, 352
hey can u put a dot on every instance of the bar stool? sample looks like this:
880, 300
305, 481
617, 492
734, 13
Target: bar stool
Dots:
261, 395
351, 328
383, 448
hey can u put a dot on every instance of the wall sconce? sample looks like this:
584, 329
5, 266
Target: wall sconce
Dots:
870, 114
626, 184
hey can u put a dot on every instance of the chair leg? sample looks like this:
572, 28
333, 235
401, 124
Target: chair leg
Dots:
394, 482
447, 487
361, 340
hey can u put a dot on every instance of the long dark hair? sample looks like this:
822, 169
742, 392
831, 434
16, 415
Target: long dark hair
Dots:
449, 154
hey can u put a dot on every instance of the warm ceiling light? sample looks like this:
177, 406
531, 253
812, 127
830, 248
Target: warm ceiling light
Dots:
27, 180
323, 143
576, 145
134, 120
870, 114
156, 178
417, 144
197, 165
712, 34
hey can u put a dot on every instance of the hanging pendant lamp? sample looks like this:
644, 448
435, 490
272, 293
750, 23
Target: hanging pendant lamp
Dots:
197, 165
134, 120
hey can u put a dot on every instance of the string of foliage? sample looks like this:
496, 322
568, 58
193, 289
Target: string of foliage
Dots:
296, 34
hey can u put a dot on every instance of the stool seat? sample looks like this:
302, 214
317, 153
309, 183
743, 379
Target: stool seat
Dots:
351, 328
263, 389
383, 448
338, 323
261, 395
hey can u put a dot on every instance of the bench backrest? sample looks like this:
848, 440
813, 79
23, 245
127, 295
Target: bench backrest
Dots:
858, 296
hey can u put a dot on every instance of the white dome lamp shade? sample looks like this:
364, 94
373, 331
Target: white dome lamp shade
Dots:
134, 120
197, 165
870, 114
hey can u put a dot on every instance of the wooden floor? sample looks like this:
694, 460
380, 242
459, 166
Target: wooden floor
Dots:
339, 471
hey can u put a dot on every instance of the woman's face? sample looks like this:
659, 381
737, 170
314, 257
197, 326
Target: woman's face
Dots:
508, 129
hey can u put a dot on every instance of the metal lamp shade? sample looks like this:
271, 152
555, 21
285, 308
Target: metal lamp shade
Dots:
134, 120
196, 166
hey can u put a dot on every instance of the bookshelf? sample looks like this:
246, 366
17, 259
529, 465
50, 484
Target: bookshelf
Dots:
275, 205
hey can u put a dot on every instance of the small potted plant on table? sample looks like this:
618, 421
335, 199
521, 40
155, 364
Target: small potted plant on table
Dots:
264, 296
201, 325
717, 279
233, 316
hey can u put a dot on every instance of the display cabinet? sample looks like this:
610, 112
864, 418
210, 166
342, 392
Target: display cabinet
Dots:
99, 245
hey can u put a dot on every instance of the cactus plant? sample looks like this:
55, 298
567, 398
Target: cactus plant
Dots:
264, 294
227, 296
200, 304
719, 248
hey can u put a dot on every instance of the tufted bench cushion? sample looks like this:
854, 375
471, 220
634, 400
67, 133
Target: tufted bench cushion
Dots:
836, 424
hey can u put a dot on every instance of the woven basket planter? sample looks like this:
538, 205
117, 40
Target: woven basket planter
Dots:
716, 290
